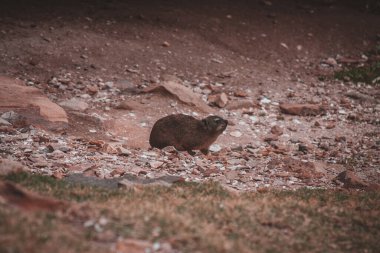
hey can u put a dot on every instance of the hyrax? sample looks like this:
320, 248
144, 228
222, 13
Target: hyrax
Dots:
186, 133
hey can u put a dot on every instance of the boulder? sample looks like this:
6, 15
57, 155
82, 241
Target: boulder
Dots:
173, 86
30, 103
74, 104
302, 109
350, 180
219, 100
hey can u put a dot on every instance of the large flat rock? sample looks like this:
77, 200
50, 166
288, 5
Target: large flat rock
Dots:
31, 103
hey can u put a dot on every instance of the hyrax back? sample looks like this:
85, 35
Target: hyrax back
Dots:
186, 133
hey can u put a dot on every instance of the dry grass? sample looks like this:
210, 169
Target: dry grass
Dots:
195, 218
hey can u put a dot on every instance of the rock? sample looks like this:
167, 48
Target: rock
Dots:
169, 149
324, 145
373, 187
92, 89
7, 130
58, 175
17, 196
340, 138
109, 149
265, 100
330, 125
133, 246
172, 85
8, 166
30, 103
4, 122
359, 96
236, 134
215, 148
302, 109
74, 104
304, 170
240, 93
240, 104
165, 44
155, 164
276, 130
129, 105
271, 137
123, 151
331, 61
15, 119
117, 172
231, 175
350, 180
136, 183
303, 148
210, 171
56, 154
219, 100
237, 148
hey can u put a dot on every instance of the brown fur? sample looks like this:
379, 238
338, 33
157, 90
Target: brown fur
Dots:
186, 133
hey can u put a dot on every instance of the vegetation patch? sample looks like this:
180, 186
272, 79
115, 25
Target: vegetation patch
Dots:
369, 74
192, 218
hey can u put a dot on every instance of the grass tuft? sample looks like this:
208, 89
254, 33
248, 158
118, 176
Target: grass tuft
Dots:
365, 74
194, 218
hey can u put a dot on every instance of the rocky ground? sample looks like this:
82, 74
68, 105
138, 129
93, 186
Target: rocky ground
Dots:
267, 67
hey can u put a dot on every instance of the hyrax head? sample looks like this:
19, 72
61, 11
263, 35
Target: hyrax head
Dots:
214, 124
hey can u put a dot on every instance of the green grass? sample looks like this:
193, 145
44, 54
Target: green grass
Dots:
194, 218
365, 74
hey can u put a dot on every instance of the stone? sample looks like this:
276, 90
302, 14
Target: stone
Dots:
16, 195
4, 122
133, 246
236, 134
276, 130
92, 89
31, 103
138, 183
304, 170
8, 166
7, 130
219, 100
117, 172
350, 180
56, 154
331, 61
302, 109
155, 164
303, 148
14, 119
109, 149
215, 148
330, 125
359, 96
265, 100
165, 44
241, 104
210, 171
74, 104
271, 137
58, 175
173, 86
240, 93
231, 175
123, 151
129, 105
